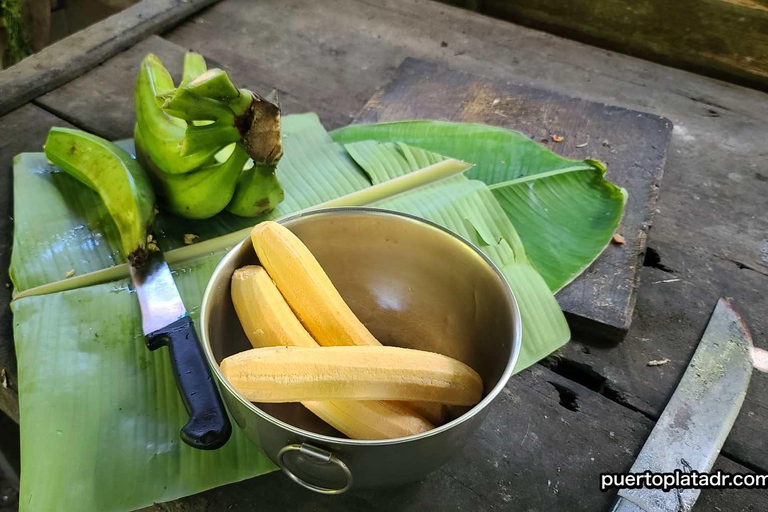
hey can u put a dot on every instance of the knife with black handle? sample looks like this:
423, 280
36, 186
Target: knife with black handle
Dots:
165, 322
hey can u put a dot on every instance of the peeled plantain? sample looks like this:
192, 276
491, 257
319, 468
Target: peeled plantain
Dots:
268, 321
181, 133
111, 172
314, 299
307, 288
294, 374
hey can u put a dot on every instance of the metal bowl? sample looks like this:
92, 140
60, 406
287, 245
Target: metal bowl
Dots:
413, 284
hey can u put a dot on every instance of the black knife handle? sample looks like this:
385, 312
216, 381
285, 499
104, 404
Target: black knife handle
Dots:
208, 427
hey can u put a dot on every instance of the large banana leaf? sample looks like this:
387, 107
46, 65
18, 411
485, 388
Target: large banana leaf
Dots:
564, 210
565, 218
69, 354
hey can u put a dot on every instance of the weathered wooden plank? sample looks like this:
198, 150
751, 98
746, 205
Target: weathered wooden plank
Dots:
101, 101
22, 130
600, 302
336, 54
76, 54
725, 39
673, 309
542, 447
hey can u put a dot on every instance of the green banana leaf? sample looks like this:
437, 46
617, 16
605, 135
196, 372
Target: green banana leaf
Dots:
69, 354
564, 210
565, 218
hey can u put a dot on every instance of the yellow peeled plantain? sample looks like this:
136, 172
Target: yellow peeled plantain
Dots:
265, 316
295, 374
436, 413
312, 296
268, 321
307, 288
365, 419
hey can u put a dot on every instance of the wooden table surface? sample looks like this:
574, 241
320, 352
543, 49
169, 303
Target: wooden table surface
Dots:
586, 410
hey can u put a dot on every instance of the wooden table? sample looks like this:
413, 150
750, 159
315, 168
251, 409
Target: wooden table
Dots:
583, 412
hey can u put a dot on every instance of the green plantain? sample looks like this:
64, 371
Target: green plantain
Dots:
111, 172
198, 194
180, 131
194, 66
258, 191
163, 134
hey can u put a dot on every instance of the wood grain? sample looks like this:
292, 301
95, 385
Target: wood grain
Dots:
725, 39
101, 101
76, 54
600, 302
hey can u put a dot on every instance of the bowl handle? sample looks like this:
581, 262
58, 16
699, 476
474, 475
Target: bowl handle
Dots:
317, 455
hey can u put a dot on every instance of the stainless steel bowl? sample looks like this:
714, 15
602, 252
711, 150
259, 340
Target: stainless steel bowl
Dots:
413, 284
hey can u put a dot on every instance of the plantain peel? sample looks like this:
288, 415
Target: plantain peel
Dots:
196, 140
119, 180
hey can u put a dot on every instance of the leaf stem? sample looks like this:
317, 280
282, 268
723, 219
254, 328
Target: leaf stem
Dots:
533, 177
428, 175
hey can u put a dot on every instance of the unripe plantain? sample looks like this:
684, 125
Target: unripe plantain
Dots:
179, 132
111, 172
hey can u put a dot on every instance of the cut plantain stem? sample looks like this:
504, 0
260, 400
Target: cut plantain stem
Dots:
214, 84
185, 105
259, 126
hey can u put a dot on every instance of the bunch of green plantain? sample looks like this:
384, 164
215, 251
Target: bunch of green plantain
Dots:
206, 144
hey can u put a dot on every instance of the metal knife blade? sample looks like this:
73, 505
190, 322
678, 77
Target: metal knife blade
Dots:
159, 299
693, 427
165, 322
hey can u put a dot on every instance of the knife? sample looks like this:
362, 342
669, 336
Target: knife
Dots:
698, 417
165, 322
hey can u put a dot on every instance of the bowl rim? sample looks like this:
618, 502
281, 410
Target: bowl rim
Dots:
517, 330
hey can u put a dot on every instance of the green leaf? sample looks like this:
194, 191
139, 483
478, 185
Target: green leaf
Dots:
101, 413
498, 154
386, 161
565, 218
564, 210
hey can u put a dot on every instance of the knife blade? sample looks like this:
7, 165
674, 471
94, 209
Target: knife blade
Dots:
165, 322
693, 427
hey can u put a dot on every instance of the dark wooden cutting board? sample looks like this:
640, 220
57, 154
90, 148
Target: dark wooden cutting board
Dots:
599, 303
